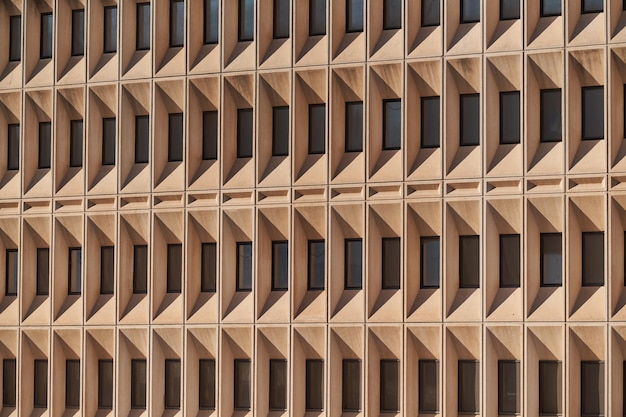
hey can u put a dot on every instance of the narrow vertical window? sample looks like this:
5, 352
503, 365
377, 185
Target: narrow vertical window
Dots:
317, 17
317, 264
46, 33
281, 19
140, 269
40, 380
110, 30
317, 128
172, 383
509, 117
389, 386
206, 384
593, 112
430, 262
509, 261
469, 261
8, 383
244, 133
430, 125
244, 266
551, 259
351, 385
138, 384
278, 384
11, 271
174, 267
470, 119
13, 147
509, 9
549, 388
43, 268
75, 264
45, 145
105, 384
550, 115
354, 16
107, 268
175, 137
469, 386
177, 23
508, 387
72, 383
430, 12
242, 384
428, 383
550, 8
246, 20
592, 259
143, 26
392, 14
209, 135
280, 131
470, 11
76, 143
211, 21
592, 6
314, 384
354, 126
108, 141
280, 265
78, 32
392, 124
208, 270
591, 388
15, 38
353, 258
392, 249
142, 139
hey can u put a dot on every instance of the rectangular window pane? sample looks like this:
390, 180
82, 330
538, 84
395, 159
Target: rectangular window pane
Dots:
391, 263
177, 23
470, 119
317, 264
75, 264
593, 112
551, 264
11, 271
430, 262
389, 386
392, 124
509, 117
206, 384
105, 384
72, 383
469, 386
138, 384
509, 261
353, 259
550, 8
76, 143
8, 383
549, 387
45, 145
428, 383
110, 29
175, 138
509, 9
280, 131
108, 141
142, 139
314, 384
354, 16
592, 6
591, 388
470, 11
593, 259
246, 20
508, 387
280, 266
430, 125
209, 267
78, 32
172, 383
242, 384
209, 135
317, 128
143, 26
107, 268
281, 19
15, 35
278, 384
351, 385
354, 126
43, 268
244, 266
392, 14
430, 12
211, 21
469, 261
174, 267
140, 269
245, 128
550, 116
40, 380
45, 46
13, 145
317, 17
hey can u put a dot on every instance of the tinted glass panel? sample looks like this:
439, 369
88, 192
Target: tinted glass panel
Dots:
549, 387
592, 6
40, 380
470, 120
8, 382
550, 120
509, 9
278, 384
280, 265
316, 264
78, 32
244, 266
351, 385
45, 46
593, 259
108, 141
246, 20
110, 29
509, 117
105, 384
281, 19
550, 8
593, 112
469, 262
551, 264
13, 145
11, 271
353, 263
172, 383
143, 26
211, 21
430, 122
72, 383
354, 15
392, 124
242, 384
140, 269
244, 133
354, 126
389, 386
591, 388
428, 386
206, 384
470, 11
469, 387
508, 387
430, 261
175, 143
209, 135
317, 128
138, 384
107, 268
15, 34
391, 262
74, 266
174, 267
392, 14
43, 267
142, 139
44, 145
76, 143
509, 261
430, 12
314, 384
280, 131
317, 17
208, 267
177, 23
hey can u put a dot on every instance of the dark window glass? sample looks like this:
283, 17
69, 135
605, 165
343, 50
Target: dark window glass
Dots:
8, 383
138, 384
549, 387
280, 131
351, 385
208, 267
314, 384
45, 145
211, 21
76, 143
209, 135
591, 388
107, 268
317, 264
246, 20
353, 258
508, 387
389, 386
593, 259
430, 122
551, 264
470, 11
593, 112
174, 267
392, 124
242, 384
469, 387
391, 263
509, 117
280, 266
40, 379
110, 29
206, 384
430, 12
550, 8
354, 126
624, 368
142, 139
281, 19
13, 147
430, 261
244, 133
45, 46
140, 269
143, 26
509, 9
317, 17
15, 35
172, 383
244, 266
392, 14
177, 23
470, 119
72, 383
509, 261
105, 384
550, 116
592, 6
317, 128
469, 261
108, 141
278, 384
354, 16
74, 267
11, 271
175, 142
43, 268
78, 32
428, 383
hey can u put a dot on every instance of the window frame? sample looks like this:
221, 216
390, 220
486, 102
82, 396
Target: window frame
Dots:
15, 48
108, 49
346, 243
76, 42
238, 272
385, 138
310, 243
8, 253
505, 236
583, 105
385, 284
103, 270
504, 118
70, 268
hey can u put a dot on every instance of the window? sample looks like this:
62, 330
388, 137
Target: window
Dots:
8, 383
244, 133
551, 265
140, 269
15, 38
508, 387
13, 147
592, 6
110, 30
593, 259
244, 266
40, 380
317, 17
550, 8
470, 11
281, 19
72, 383
353, 264
177, 23
392, 14
593, 112
354, 16
107, 268
44, 148
509, 9
74, 267
280, 266
242, 384
174, 267
246, 20
470, 120
469, 261
108, 141
208, 270
391, 263
143, 26
209, 135
11, 271
46, 33
314, 384
43, 267
430, 262
469, 386
351, 385
509, 261
354, 126
428, 382
550, 116
392, 124
76, 143
430, 122
430, 12
105, 384
317, 128
78, 32
138, 384
509, 117
591, 388
389, 386
142, 139
317, 264
172, 383
206, 384
280, 131
211, 21
175, 138
278, 384
549, 387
